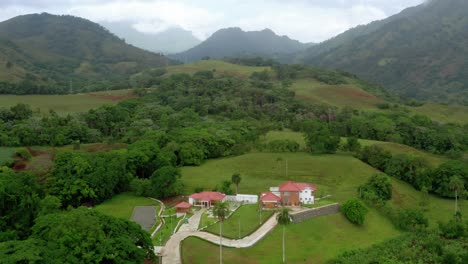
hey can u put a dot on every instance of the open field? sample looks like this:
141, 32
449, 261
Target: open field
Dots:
220, 67
249, 218
310, 90
6, 154
443, 113
313, 241
121, 205
66, 104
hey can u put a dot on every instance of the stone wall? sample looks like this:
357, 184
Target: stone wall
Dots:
314, 212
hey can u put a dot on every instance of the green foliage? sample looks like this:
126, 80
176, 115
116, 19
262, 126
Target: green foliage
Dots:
355, 211
352, 144
283, 145
319, 138
377, 189
454, 229
236, 179
166, 182
23, 153
141, 187
411, 220
283, 217
221, 210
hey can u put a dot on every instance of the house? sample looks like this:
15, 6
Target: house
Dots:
206, 199
270, 200
183, 207
297, 193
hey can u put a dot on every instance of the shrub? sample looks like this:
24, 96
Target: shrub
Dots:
352, 144
377, 189
23, 153
141, 187
355, 211
283, 145
411, 220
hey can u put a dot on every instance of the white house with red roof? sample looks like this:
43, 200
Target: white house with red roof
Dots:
206, 199
295, 193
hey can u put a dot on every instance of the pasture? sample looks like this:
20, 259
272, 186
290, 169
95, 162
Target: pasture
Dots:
121, 205
218, 67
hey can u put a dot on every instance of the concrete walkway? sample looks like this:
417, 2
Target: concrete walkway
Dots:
171, 252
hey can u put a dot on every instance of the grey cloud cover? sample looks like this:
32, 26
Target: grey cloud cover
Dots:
305, 20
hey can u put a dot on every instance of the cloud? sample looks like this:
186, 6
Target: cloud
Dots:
305, 20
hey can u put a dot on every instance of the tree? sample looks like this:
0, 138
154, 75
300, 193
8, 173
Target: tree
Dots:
284, 219
456, 184
352, 144
411, 220
355, 211
221, 210
165, 182
319, 138
377, 188
236, 179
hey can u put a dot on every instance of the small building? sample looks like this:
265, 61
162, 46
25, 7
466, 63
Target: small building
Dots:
183, 207
206, 199
297, 193
270, 200
242, 198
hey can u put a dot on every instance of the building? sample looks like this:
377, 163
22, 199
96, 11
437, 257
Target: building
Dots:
296, 193
183, 207
206, 199
242, 198
270, 200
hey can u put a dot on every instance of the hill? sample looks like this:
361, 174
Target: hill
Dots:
233, 42
43, 53
419, 53
172, 40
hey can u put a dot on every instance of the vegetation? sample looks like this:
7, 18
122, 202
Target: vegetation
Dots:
122, 205
284, 219
355, 211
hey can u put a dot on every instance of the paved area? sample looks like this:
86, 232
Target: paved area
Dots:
145, 216
171, 252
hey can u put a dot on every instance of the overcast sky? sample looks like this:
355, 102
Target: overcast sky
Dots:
304, 20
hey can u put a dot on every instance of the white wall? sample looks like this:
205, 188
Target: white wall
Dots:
307, 196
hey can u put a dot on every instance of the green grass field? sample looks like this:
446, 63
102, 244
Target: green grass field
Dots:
319, 239
220, 67
6, 154
443, 113
163, 235
121, 205
313, 241
65, 104
249, 218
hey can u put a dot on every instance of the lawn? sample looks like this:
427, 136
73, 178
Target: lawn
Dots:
65, 104
313, 241
6, 154
247, 216
121, 205
163, 235
220, 67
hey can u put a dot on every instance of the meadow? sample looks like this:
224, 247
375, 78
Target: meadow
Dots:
218, 67
66, 104
121, 205
6, 154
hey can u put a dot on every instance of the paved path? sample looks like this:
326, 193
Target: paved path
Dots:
171, 252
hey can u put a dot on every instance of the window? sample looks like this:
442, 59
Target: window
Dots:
286, 193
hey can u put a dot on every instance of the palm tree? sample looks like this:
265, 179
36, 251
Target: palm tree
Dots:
284, 219
236, 179
456, 184
221, 210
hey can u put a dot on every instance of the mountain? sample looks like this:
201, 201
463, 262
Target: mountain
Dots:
420, 53
233, 42
172, 40
43, 53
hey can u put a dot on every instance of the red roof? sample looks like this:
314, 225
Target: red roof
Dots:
269, 197
183, 205
290, 186
208, 196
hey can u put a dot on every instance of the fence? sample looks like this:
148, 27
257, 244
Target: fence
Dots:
311, 213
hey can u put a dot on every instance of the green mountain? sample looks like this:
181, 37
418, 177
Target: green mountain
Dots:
43, 53
420, 53
172, 40
233, 42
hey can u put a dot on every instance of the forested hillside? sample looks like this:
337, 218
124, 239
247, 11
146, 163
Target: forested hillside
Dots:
420, 53
233, 42
44, 54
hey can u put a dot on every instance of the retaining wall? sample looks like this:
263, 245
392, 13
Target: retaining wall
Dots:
314, 212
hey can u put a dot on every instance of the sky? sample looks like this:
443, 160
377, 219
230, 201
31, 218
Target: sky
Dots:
304, 20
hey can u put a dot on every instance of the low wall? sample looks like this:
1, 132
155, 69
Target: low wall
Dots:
314, 212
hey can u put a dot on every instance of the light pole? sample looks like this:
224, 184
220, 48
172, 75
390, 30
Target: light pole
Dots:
239, 228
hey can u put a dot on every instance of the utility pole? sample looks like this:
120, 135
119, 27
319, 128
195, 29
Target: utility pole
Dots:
286, 168
239, 228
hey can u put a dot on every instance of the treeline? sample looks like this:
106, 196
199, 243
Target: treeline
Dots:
449, 179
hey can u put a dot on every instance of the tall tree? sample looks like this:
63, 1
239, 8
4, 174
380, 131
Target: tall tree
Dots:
236, 179
221, 210
284, 219
456, 184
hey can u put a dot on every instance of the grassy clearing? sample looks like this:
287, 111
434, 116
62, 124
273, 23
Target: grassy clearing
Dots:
220, 67
65, 104
282, 135
249, 218
121, 205
313, 241
6, 154
443, 113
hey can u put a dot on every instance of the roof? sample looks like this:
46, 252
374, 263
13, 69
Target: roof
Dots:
208, 196
184, 205
269, 197
290, 186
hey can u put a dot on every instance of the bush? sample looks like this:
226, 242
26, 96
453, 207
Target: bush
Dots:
283, 145
141, 187
411, 220
355, 211
23, 153
455, 228
352, 144
377, 189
